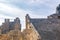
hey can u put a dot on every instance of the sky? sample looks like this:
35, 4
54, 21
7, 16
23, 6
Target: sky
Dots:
10, 9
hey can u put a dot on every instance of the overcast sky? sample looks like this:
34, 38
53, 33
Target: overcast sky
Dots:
19, 8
